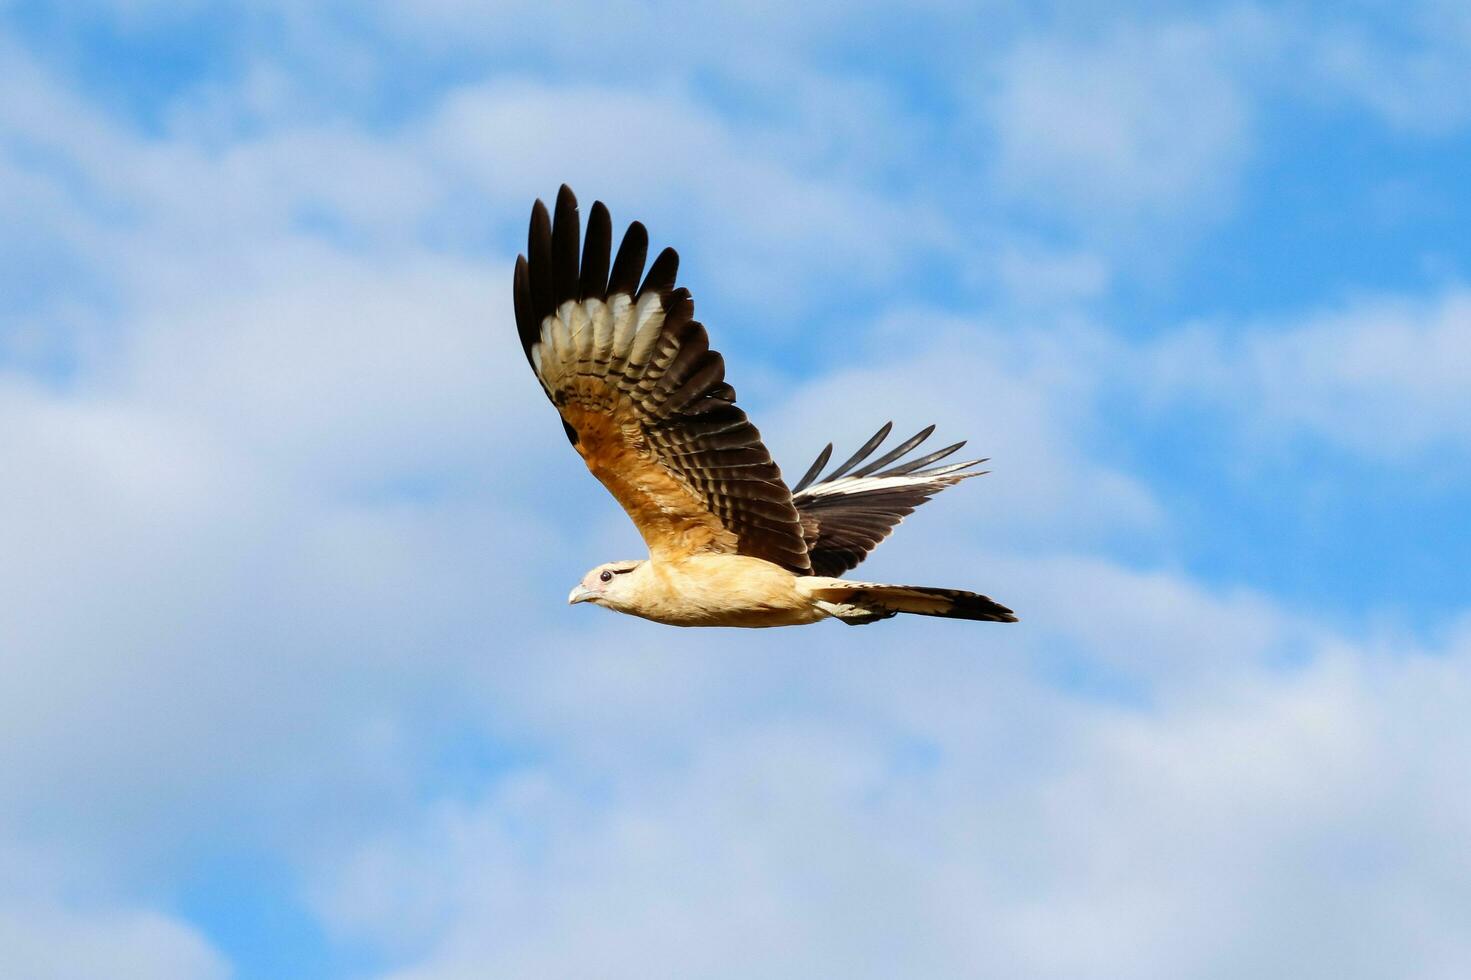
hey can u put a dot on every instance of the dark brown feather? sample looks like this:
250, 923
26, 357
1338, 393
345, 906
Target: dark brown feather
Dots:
843, 523
662, 273
596, 251
539, 260
565, 240
628, 266
863, 451
528, 324
814, 469
898, 451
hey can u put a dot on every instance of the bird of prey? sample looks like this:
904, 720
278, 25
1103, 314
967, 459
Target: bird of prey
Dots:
644, 401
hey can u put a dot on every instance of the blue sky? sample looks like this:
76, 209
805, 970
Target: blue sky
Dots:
290, 685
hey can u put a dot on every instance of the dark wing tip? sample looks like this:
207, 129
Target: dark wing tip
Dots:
814, 469
915, 465
662, 273
541, 227
566, 233
863, 451
527, 324
896, 452
597, 248
628, 266
539, 261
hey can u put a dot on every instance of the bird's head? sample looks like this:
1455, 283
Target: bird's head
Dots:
607, 585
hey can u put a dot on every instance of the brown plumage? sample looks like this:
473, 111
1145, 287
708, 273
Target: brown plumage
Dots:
644, 401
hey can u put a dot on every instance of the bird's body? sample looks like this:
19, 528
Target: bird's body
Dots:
644, 401
711, 589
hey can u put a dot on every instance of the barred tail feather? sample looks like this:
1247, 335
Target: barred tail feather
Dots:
858, 603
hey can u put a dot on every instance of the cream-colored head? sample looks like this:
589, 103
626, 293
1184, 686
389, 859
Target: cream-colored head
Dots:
609, 585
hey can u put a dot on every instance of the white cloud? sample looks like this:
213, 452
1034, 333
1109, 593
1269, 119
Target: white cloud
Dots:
1035, 276
945, 818
298, 513
45, 936
1146, 123
1024, 397
54, 944
1413, 71
1385, 377
289, 468
696, 180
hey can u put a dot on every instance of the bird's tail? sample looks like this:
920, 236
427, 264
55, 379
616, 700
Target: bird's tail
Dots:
857, 603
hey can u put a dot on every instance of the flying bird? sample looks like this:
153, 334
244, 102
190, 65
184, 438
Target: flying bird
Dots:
645, 402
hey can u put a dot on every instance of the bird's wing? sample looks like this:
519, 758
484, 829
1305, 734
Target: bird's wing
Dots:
849, 511
643, 397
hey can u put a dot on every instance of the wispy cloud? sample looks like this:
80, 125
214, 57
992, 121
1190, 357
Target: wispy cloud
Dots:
1410, 66
955, 819
1147, 123
287, 523
54, 943
1383, 376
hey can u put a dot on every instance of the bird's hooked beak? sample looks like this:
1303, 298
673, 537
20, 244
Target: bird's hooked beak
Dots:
579, 594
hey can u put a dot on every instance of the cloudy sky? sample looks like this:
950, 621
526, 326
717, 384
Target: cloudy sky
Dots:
287, 682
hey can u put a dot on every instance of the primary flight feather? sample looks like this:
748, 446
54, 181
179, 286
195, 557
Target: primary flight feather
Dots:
644, 401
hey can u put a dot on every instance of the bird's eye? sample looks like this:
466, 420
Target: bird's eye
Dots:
607, 576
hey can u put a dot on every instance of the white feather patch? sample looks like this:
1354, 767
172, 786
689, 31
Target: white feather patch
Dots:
579, 330
601, 319
621, 310
861, 484
646, 330
549, 367
581, 335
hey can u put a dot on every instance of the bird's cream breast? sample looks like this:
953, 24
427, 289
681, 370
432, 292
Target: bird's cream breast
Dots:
719, 590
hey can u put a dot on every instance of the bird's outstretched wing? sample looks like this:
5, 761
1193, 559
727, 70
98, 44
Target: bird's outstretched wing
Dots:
849, 511
642, 396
